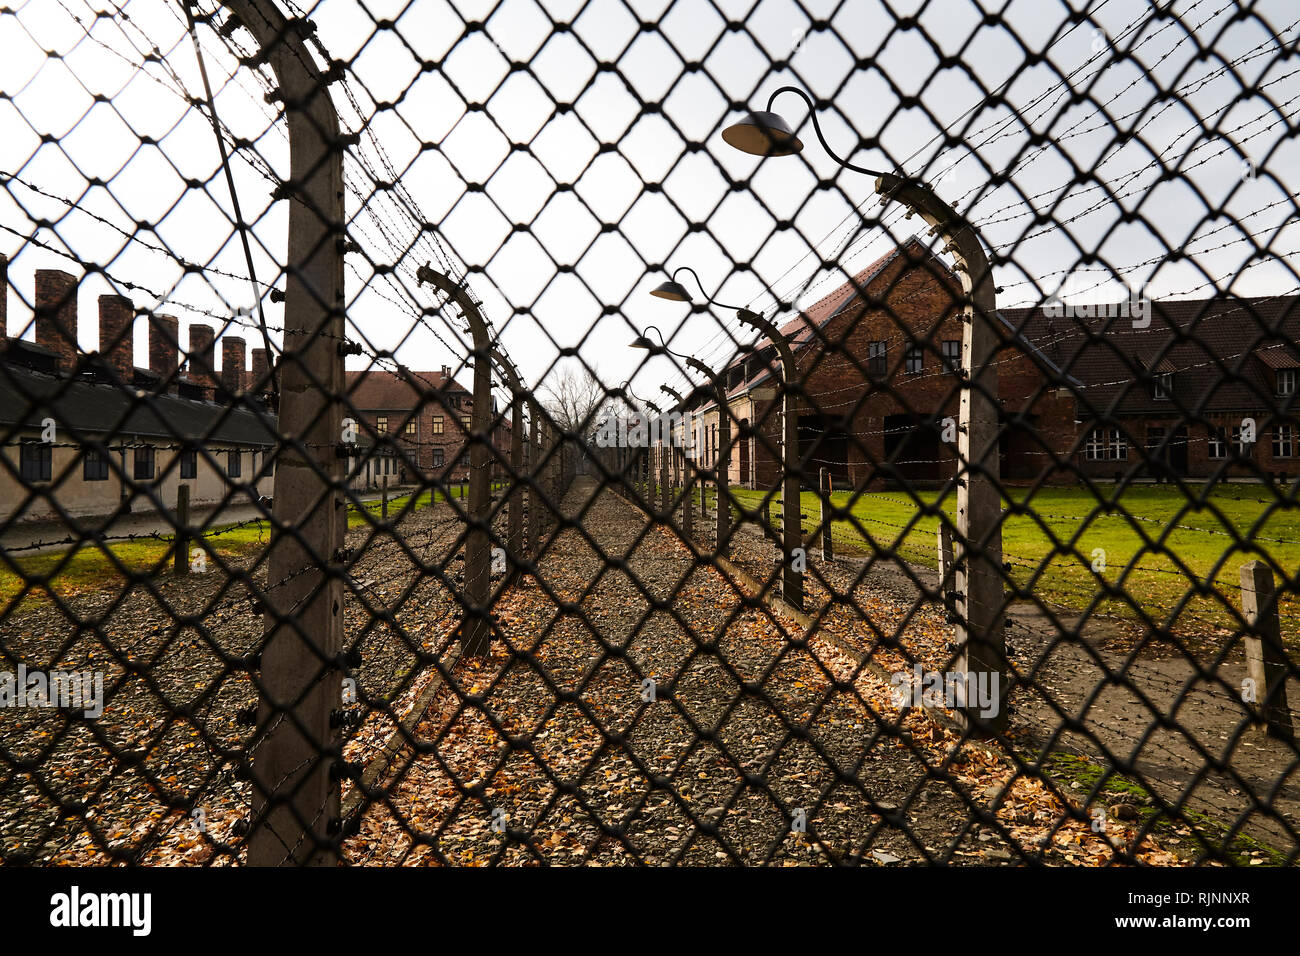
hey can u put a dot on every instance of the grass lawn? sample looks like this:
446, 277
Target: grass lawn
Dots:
88, 566
1198, 551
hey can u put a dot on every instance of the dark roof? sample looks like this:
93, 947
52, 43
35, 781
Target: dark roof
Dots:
383, 389
1214, 348
27, 396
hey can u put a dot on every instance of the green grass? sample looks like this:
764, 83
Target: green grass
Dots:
1148, 570
1197, 832
88, 566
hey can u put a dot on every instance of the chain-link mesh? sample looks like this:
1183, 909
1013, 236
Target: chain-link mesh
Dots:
952, 520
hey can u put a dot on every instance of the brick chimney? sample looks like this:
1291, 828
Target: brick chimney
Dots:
116, 335
259, 380
233, 350
446, 372
201, 356
56, 315
164, 332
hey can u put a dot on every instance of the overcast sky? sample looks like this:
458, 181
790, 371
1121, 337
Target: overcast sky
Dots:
1124, 116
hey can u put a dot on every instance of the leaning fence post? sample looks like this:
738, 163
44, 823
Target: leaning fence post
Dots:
182, 543
1266, 660
828, 547
688, 489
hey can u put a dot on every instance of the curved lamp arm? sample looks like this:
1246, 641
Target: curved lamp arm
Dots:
817, 128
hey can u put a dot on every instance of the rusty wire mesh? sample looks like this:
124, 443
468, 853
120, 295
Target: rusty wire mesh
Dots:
996, 564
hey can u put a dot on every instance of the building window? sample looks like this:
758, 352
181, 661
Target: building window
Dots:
94, 466
952, 354
876, 358
143, 463
234, 464
464, 422
1216, 446
1106, 444
381, 424
463, 460
914, 361
1240, 448
1286, 381
35, 460
439, 458
437, 424
1162, 386
1283, 441
189, 464
410, 427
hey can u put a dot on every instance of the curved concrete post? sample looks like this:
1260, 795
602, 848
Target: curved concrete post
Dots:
476, 629
295, 817
514, 522
978, 550
791, 510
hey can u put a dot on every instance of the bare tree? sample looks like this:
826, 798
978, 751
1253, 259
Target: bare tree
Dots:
573, 398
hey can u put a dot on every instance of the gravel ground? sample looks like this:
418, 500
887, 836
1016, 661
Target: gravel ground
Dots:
758, 747
134, 784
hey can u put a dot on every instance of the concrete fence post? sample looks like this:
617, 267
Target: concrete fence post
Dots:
1266, 660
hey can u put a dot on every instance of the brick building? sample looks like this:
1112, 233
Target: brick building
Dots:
879, 397
1181, 393
413, 426
76, 437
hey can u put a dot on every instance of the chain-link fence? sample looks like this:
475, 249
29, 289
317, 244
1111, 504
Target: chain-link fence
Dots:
951, 519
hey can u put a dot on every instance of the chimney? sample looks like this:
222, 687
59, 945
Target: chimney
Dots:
116, 336
233, 350
446, 372
201, 356
164, 331
259, 380
56, 315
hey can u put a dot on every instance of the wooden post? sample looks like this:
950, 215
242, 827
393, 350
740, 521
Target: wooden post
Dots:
295, 797
828, 545
182, 543
943, 541
1266, 660
978, 548
384, 500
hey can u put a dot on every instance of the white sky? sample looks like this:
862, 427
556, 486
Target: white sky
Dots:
524, 150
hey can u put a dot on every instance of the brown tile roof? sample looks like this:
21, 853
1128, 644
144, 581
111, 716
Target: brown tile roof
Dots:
381, 388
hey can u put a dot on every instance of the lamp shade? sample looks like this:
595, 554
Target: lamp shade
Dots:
763, 134
671, 290
641, 342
